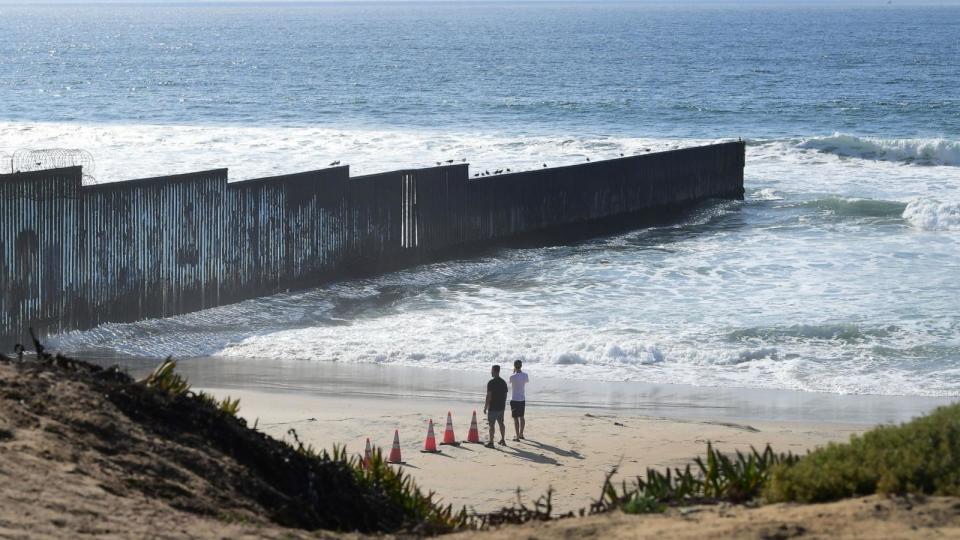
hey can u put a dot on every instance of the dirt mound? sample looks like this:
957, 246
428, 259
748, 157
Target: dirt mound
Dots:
86, 449
866, 517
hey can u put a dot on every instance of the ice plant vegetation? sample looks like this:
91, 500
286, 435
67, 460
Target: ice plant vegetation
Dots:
921, 456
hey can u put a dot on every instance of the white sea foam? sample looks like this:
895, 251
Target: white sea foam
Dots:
933, 215
767, 194
468, 314
814, 283
920, 151
582, 358
124, 152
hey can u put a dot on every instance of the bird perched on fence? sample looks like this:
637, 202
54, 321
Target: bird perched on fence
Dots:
621, 154
544, 165
464, 160
508, 170
486, 173
438, 164
449, 161
588, 159
476, 175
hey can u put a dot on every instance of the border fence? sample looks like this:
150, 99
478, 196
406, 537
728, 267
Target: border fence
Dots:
73, 256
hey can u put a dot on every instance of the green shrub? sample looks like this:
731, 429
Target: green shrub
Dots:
643, 504
920, 456
166, 379
717, 477
423, 512
229, 406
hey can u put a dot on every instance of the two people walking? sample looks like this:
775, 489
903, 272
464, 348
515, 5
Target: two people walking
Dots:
495, 404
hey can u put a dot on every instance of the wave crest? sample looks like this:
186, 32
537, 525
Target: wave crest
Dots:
933, 215
858, 208
850, 333
918, 151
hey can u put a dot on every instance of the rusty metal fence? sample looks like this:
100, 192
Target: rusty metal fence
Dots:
73, 256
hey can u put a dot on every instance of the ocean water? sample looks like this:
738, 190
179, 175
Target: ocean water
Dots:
838, 273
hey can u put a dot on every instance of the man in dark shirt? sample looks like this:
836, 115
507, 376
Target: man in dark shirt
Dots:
496, 403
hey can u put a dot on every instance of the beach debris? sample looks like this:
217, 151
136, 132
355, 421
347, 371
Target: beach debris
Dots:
473, 436
395, 457
618, 424
448, 437
430, 445
367, 454
744, 427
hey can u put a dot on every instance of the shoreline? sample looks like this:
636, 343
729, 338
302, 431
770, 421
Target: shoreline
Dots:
376, 381
577, 431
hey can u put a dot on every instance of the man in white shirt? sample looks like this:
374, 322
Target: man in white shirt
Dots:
518, 398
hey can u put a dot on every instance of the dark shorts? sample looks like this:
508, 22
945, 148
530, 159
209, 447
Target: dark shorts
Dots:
494, 416
517, 408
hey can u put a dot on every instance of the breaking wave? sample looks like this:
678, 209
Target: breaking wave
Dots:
933, 215
923, 213
918, 151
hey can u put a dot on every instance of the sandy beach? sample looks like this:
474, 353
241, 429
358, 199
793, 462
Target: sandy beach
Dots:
568, 450
91, 453
576, 433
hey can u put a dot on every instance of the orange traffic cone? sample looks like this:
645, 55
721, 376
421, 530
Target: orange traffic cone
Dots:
474, 435
448, 437
366, 456
395, 451
430, 445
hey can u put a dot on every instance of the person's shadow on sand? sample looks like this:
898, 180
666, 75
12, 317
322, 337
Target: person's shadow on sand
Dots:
558, 451
528, 456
